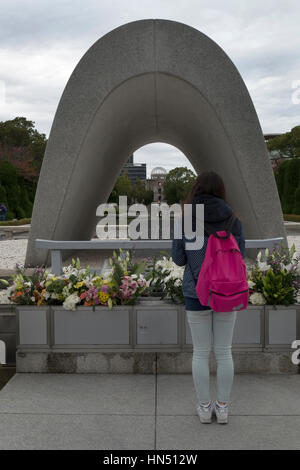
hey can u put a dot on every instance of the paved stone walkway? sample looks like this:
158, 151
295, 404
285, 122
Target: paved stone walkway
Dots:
136, 411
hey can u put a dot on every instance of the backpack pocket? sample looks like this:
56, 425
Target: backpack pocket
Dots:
228, 296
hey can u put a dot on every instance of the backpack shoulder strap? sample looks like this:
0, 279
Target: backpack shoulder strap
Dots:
209, 229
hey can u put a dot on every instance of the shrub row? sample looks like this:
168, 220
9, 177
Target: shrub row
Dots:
288, 184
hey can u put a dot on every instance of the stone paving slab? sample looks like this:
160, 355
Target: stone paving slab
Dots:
252, 394
142, 411
79, 393
80, 432
241, 433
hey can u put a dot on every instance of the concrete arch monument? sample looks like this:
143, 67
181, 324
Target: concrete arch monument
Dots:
150, 81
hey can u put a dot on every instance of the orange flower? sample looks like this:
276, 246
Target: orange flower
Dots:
88, 304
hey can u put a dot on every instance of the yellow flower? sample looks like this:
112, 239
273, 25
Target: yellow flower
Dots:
79, 284
103, 297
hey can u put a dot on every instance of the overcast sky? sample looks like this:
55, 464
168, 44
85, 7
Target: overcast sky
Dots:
42, 41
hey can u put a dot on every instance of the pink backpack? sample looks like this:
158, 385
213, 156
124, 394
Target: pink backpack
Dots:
222, 282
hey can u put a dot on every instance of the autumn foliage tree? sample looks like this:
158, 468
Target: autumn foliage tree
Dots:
22, 149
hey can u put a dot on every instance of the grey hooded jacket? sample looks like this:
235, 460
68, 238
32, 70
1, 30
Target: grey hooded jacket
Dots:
216, 213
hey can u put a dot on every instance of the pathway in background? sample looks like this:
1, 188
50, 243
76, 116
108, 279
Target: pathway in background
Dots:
14, 251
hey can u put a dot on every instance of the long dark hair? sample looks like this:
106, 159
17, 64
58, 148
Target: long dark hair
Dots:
207, 182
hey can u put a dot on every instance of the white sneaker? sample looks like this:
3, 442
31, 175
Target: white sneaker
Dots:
221, 413
205, 413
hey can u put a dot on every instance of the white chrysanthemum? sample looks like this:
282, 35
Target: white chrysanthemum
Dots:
4, 297
257, 299
71, 301
66, 291
251, 284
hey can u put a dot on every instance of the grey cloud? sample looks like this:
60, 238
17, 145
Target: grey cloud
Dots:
42, 41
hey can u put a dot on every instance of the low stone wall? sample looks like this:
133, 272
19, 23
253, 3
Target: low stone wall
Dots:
148, 362
149, 337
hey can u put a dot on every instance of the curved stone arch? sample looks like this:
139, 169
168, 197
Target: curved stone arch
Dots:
151, 81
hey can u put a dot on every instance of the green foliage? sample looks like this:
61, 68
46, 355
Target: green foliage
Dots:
296, 209
177, 184
140, 193
287, 144
291, 217
122, 187
15, 192
16, 222
276, 278
19, 132
277, 288
287, 180
136, 192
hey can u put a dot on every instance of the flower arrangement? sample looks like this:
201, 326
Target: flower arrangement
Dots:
78, 286
276, 280
166, 277
127, 278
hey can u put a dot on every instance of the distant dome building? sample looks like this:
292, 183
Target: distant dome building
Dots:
158, 172
156, 182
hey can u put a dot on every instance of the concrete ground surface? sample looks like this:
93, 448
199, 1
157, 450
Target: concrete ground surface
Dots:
145, 411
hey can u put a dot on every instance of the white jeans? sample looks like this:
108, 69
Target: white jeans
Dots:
208, 325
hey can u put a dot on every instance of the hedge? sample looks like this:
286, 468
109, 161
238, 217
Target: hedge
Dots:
288, 184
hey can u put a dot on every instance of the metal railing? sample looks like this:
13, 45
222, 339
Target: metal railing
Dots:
55, 246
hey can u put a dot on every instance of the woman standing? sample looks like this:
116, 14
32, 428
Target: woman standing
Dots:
206, 325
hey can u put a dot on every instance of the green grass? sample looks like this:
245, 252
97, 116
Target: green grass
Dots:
15, 222
291, 217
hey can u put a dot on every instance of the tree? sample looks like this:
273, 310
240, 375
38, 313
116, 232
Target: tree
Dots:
17, 196
177, 184
21, 133
140, 193
122, 187
287, 144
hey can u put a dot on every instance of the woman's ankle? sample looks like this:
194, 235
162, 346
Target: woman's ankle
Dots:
222, 403
205, 403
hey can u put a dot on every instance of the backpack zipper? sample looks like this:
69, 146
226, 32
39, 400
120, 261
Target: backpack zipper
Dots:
218, 293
